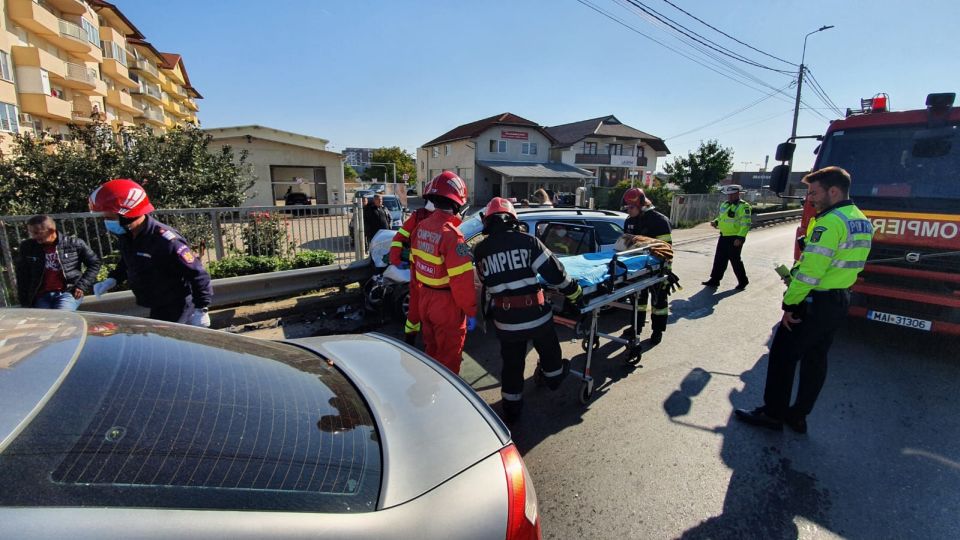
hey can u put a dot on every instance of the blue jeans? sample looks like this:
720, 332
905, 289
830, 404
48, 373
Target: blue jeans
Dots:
56, 300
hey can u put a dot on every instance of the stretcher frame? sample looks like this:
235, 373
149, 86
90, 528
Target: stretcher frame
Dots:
612, 291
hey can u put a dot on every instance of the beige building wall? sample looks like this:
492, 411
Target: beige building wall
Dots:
263, 154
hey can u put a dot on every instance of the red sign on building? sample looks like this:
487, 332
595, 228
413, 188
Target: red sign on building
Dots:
508, 134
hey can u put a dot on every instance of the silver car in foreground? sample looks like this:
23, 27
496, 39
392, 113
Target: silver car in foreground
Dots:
119, 427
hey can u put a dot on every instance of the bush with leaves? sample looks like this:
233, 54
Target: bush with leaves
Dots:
179, 169
244, 265
265, 234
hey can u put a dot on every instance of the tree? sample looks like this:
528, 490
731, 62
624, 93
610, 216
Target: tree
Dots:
176, 168
349, 173
700, 171
394, 154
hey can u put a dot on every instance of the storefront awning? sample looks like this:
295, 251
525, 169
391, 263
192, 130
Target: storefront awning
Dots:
519, 169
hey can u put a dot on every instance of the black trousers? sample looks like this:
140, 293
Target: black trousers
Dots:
514, 353
657, 297
727, 252
807, 344
170, 312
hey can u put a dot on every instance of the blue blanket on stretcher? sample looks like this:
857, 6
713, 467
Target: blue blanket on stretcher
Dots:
591, 269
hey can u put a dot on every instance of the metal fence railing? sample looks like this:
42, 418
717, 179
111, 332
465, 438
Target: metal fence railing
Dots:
214, 233
688, 208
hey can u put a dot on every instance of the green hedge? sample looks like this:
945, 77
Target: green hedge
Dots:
244, 265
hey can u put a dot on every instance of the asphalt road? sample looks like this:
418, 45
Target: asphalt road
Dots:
657, 453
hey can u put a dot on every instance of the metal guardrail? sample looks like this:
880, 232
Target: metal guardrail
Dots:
772, 217
247, 289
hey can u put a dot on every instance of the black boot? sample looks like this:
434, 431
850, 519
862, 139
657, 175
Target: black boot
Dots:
512, 410
656, 337
554, 382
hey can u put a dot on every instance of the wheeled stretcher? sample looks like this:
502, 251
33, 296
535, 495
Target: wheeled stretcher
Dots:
613, 279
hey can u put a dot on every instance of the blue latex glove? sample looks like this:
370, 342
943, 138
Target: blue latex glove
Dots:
403, 265
471, 324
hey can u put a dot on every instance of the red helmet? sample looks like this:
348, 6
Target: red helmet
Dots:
634, 197
121, 196
499, 205
449, 186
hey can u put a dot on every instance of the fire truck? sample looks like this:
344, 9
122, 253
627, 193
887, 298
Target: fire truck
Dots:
905, 167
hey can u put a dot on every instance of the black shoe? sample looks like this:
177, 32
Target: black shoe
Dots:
741, 286
797, 423
759, 417
710, 283
656, 337
512, 410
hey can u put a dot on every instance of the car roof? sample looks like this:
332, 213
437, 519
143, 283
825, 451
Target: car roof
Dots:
549, 213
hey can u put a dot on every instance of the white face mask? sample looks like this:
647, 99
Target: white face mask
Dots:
429, 206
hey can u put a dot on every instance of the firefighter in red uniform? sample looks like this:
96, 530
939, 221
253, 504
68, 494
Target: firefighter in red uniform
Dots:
508, 263
443, 269
400, 241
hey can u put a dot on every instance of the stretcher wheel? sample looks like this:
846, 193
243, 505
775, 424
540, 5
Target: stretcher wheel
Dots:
586, 391
585, 343
634, 355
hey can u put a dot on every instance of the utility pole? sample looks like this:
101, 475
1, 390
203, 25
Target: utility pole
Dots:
796, 104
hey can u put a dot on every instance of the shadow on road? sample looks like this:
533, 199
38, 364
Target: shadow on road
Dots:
880, 461
701, 304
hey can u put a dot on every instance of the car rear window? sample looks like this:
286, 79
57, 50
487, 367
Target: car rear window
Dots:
156, 416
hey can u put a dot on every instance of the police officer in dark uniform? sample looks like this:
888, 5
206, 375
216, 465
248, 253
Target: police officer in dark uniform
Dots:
163, 272
508, 262
645, 220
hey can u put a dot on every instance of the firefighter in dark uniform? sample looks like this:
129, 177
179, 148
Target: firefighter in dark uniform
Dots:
508, 262
163, 272
645, 220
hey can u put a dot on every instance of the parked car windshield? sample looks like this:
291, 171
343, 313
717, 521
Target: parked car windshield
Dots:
151, 415
391, 204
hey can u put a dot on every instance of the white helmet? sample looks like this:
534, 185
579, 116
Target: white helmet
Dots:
731, 189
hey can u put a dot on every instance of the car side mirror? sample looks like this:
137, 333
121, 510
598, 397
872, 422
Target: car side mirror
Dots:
779, 177
785, 151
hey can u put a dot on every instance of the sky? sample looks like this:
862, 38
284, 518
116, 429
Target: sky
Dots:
372, 73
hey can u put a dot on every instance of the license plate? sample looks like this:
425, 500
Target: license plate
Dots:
899, 320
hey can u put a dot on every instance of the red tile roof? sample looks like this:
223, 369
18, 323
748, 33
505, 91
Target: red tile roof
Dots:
474, 129
170, 61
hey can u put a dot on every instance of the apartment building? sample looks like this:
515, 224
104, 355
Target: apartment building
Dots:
78, 61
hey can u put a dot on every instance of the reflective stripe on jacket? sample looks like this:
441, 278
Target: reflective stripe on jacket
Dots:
402, 238
837, 245
442, 260
734, 218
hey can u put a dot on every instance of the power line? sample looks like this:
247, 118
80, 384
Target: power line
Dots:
708, 25
724, 117
702, 40
664, 45
827, 101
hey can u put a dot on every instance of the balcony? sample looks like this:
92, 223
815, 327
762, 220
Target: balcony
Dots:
114, 69
146, 68
122, 101
70, 7
153, 116
46, 106
36, 57
191, 105
148, 91
80, 77
614, 160
73, 39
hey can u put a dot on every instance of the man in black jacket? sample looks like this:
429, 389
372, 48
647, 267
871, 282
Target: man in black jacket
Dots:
375, 217
49, 272
508, 262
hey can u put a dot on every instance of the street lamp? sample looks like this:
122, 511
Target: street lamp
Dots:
796, 105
